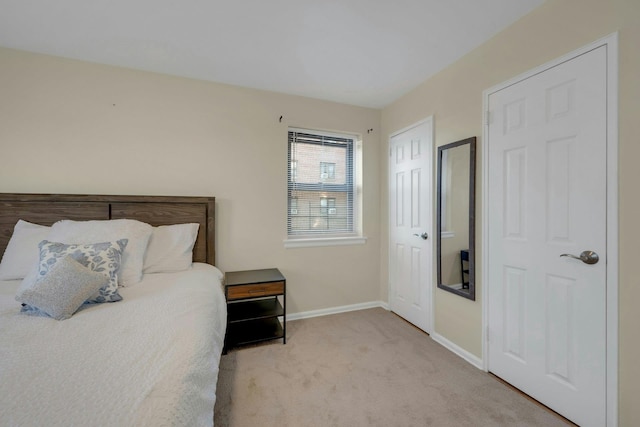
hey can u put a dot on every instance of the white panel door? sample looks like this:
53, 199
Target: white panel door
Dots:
547, 197
410, 217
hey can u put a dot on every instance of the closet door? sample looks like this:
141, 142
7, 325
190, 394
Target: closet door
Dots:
547, 240
410, 227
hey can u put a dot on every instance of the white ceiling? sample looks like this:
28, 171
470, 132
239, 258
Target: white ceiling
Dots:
360, 52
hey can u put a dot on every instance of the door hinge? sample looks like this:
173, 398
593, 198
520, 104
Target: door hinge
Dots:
487, 117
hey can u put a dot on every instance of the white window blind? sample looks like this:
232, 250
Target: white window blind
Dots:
321, 185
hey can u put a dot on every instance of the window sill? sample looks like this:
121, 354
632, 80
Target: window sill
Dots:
324, 241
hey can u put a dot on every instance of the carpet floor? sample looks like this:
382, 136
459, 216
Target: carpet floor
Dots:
364, 368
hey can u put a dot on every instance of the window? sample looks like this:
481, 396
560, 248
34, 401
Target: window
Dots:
322, 187
327, 206
327, 171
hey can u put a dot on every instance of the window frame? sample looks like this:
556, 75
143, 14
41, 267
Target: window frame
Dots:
353, 233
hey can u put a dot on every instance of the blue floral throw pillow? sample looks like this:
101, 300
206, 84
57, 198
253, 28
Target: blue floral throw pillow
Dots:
102, 258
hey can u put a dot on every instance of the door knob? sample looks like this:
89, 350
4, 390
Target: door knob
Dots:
424, 236
588, 257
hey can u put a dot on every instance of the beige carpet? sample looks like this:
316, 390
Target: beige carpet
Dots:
363, 368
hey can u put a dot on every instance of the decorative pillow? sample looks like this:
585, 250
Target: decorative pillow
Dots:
171, 248
103, 258
22, 251
63, 289
85, 232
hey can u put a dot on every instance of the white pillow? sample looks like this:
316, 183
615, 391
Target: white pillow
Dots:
22, 251
87, 232
171, 248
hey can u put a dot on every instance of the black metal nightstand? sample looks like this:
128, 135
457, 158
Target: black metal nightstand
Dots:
254, 308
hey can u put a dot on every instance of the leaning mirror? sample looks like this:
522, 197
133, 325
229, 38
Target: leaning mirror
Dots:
456, 217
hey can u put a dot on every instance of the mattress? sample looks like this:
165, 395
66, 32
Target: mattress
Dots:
148, 360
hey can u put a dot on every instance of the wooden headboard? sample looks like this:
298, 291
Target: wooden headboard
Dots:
45, 209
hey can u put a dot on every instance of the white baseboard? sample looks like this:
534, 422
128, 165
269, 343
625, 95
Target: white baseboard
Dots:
336, 310
454, 348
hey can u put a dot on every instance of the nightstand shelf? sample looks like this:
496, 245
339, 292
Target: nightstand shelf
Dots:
254, 331
254, 310
256, 307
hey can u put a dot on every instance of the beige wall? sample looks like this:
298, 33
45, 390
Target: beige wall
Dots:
73, 127
454, 97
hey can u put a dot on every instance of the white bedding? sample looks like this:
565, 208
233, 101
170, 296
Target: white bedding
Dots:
150, 359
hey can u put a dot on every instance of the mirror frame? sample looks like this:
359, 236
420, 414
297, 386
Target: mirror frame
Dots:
471, 292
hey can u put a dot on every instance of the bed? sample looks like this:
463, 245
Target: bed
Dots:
149, 359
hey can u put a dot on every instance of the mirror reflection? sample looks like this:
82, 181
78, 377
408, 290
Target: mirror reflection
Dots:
456, 217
